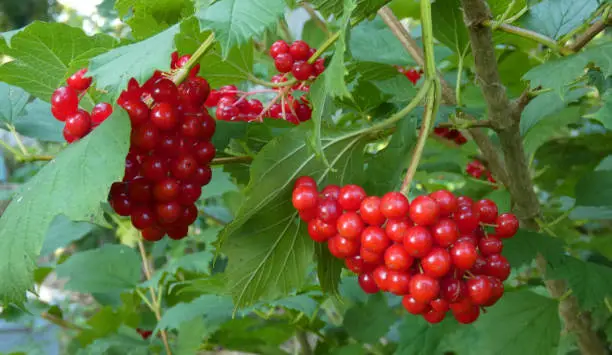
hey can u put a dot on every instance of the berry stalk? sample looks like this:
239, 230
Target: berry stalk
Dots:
182, 73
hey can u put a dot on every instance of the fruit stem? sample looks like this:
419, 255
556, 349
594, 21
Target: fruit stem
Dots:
13, 151
182, 73
20, 144
325, 46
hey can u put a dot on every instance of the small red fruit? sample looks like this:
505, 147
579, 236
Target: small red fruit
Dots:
397, 258
507, 225
464, 255
394, 205
424, 288
418, 241
350, 197
367, 283
343, 248
370, 211
350, 225
424, 211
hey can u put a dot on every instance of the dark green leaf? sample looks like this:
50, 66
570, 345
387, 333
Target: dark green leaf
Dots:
336, 69
547, 104
236, 22
73, 184
364, 8
523, 248
604, 114
147, 18
448, 26
595, 189
322, 105
62, 232
417, 337
386, 49
313, 34
302, 303
329, 269
549, 126
555, 18
531, 325
369, 322
215, 309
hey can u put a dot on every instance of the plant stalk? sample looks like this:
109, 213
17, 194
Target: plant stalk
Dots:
182, 73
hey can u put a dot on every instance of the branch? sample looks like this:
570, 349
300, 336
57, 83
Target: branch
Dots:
60, 322
182, 73
503, 113
532, 35
231, 160
466, 124
148, 270
590, 33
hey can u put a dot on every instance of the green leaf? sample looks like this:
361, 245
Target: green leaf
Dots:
448, 26
336, 69
384, 171
549, 126
595, 189
113, 69
268, 249
12, 103
387, 49
217, 70
523, 248
38, 122
364, 8
117, 268
418, 337
604, 114
555, 18
531, 325
62, 232
42, 53
557, 74
73, 184
329, 269
190, 336
221, 183
147, 18
313, 34
321, 99
236, 22
369, 322
302, 303
547, 104
589, 282
215, 309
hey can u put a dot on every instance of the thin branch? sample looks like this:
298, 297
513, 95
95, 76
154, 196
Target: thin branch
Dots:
182, 73
231, 160
503, 113
315, 17
60, 322
20, 144
466, 124
148, 270
302, 338
531, 35
590, 33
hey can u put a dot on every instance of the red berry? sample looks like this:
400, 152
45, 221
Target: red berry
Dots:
204, 152
142, 217
194, 91
357, 265
164, 90
343, 248
164, 116
413, 306
145, 137
320, 231
424, 211
100, 112
207, 126
398, 282
370, 211
367, 283
166, 190
381, 276
213, 98
463, 201
331, 191
446, 201
178, 232
189, 215
350, 225
412, 75
372, 257
304, 181
303, 112
374, 239
486, 210
497, 266
497, 291
329, 210
468, 238
183, 167
302, 70
154, 168
397, 258
305, 198
283, 62
440, 305
278, 47
469, 316
433, 316
490, 246
467, 220
255, 107
394, 205
78, 81
445, 232
168, 212
424, 288
437, 263
139, 190
78, 124
152, 234
452, 290
350, 197
507, 225
397, 229
464, 255
190, 127
480, 266
190, 193
202, 175
299, 50
308, 215
121, 204
479, 289
418, 241
319, 66
138, 112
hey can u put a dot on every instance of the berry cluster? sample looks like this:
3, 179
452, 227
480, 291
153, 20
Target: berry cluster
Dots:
411, 74
234, 105
169, 156
477, 170
451, 134
65, 107
435, 252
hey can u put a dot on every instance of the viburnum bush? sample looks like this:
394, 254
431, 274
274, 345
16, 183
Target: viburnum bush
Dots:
319, 177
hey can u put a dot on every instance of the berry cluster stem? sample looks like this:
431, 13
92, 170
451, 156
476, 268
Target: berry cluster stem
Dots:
182, 73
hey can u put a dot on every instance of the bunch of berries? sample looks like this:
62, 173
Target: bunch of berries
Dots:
234, 105
411, 74
169, 156
65, 107
436, 252
450, 134
477, 170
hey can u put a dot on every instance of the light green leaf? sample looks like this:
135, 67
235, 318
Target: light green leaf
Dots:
386, 49
604, 114
555, 18
531, 325
12, 103
417, 337
221, 183
523, 248
215, 309
549, 126
313, 34
236, 22
335, 71
595, 189
42, 53
369, 322
547, 104
448, 26
190, 336
113, 69
217, 70
38, 122
146, 17
117, 268
73, 184
62, 232
589, 282
268, 249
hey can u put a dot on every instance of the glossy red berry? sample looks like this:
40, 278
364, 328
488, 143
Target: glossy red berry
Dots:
319, 66
145, 137
381, 276
433, 316
497, 291
367, 283
183, 167
398, 282
397, 229
142, 217
154, 168
308, 215
78, 81
413, 306
486, 210
452, 290
138, 112
418, 241
446, 201
440, 305
164, 116
278, 47
374, 239
168, 212
424, 288
121, 204
479, 289
359, 266
305, 181
343, 248
469, 316
394, 205
283, 62
78, 124
331, 191
302, 70
489, 246
299, 50
178, 232
445, 232
194, 91
350, 197
370, 211
350, 225
497, 266
329, 210
166, 190
164, 90
190, 193
305, 198
464, 201
437, 263
213, 98
464, 255
320, 231
152, 234
397, 258
507, 225
467, 220
424, 211
372, 257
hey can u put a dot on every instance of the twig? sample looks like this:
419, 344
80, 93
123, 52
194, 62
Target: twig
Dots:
325, 46
60, 322
503, 113
231, 160
182, 73
315, 17
12, 150
148, 270
466, 124
590, 33
531, 35
20, 144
